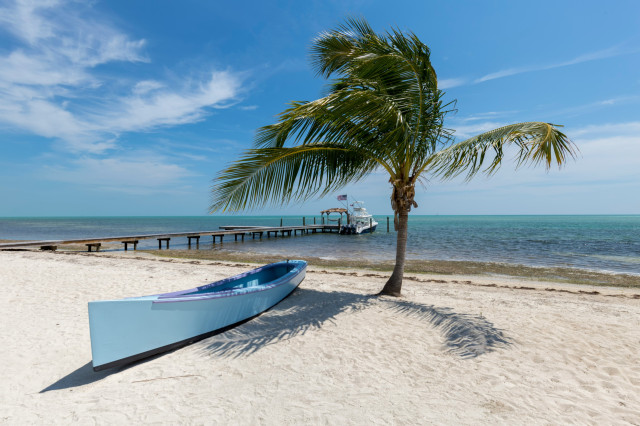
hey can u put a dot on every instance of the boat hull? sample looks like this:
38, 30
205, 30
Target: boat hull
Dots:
355, 230
368, 230
123, 331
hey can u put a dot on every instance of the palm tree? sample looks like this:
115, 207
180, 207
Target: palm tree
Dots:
383, 111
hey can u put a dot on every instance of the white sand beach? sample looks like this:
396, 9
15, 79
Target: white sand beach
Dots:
453, 350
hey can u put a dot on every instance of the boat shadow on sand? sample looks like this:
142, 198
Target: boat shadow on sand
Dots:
465, 335
85, 375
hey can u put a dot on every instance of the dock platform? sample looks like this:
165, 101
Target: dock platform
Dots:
236, 231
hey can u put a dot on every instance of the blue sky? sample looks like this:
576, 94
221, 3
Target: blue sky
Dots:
131, 108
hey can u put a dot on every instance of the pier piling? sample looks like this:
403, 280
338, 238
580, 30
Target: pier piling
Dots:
126, 244
197, 238
160, 240
96, 245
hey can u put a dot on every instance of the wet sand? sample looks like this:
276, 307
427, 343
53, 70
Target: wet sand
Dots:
441, 267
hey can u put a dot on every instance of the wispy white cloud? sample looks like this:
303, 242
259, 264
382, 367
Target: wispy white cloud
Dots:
249, 107
596, 105
141, 173
592, 56
208, 145
22, 18
146, 86
629, 129
153, 108
68, 30
467, 130
45, 118
489, 115
43, 69
447, 83
49, 86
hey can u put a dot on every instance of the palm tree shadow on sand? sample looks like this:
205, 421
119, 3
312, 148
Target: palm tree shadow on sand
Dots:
465, 335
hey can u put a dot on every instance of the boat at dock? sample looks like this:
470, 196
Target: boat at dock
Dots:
126, 330
359, 220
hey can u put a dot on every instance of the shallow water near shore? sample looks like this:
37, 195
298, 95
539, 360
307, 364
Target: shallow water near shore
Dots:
606, 244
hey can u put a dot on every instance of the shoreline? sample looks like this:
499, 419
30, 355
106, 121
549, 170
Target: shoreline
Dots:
510, 282
442, 267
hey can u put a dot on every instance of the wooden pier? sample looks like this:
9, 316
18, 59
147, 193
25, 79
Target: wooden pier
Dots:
236, 231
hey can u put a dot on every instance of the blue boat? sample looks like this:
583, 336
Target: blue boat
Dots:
127, 330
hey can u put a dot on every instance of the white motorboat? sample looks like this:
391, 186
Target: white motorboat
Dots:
359, 220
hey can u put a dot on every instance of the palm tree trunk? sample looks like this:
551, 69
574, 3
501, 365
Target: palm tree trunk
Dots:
394, 284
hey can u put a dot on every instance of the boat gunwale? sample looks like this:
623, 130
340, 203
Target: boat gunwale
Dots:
184, 296
233, 293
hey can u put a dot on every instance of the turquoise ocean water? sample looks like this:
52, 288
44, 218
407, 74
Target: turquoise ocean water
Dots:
600, 243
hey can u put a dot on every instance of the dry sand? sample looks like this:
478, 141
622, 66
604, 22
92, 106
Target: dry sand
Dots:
453, 350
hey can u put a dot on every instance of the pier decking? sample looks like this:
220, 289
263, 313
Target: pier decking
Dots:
236, 231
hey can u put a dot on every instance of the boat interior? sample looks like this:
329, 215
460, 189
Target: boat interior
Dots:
263, 276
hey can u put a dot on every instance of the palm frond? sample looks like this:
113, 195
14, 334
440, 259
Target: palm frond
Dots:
359, 119
281, 175
537, 143
399, 64
354, 49
348, 116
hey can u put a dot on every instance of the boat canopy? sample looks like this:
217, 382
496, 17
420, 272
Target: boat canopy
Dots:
334, 210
